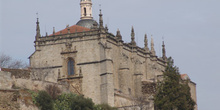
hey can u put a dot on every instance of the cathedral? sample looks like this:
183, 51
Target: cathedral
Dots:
97, 63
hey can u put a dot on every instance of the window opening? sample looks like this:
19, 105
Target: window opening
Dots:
70, 67
85, 12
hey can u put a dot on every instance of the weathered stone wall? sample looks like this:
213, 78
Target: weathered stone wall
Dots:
192, 86
6, 81
12, 93
9, 81
131, 67
124, 102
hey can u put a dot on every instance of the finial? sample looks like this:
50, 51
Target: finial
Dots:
100, 10
53, 30
68, 28
100, 6
132, 33
152, 46
146, 43
100, 19
46, 34
118, 35
106, 27
132, 36
37, 16
164, 51
37, 29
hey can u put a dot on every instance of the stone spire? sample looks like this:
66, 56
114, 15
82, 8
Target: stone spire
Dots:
164, 52
86, 9
132, 36
37, 30
100, 20
152, 47
53, 30
118, 35
146, 43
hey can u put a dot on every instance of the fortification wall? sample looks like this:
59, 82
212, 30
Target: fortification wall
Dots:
8, 81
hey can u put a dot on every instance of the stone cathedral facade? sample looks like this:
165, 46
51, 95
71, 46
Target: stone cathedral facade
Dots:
97, 63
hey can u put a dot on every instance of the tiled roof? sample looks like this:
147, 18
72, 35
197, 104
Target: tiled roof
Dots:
73, 29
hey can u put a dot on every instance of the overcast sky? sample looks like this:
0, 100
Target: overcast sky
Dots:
190, 28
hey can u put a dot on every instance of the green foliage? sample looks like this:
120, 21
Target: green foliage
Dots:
104, 107
171, 93
66, 101
63, 102
33, 96
44, 101
73, 102
81, 103
188, 103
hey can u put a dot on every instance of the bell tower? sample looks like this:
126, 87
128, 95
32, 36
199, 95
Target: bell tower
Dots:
86, 9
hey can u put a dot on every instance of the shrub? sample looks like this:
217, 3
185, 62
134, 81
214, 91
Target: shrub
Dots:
34, 95
63, 102
53, 91
104, 107
66, 101
82, 103
73, 102
44, 101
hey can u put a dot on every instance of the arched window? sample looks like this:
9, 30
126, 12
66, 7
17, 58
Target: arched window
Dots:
84, 11
70, 67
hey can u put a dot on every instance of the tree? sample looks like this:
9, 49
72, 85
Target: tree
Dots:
7, 62
172, 93
188, 103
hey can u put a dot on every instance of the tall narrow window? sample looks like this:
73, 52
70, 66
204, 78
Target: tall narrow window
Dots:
85, 11
70, 67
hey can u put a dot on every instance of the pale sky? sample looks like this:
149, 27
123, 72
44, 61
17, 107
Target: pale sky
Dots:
190, 28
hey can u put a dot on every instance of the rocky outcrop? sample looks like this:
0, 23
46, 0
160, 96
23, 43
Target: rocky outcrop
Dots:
16, 100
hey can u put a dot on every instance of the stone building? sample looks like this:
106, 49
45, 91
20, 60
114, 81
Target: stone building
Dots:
97, 63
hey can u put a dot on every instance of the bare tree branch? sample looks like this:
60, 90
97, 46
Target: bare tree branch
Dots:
4, 60
7, 62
